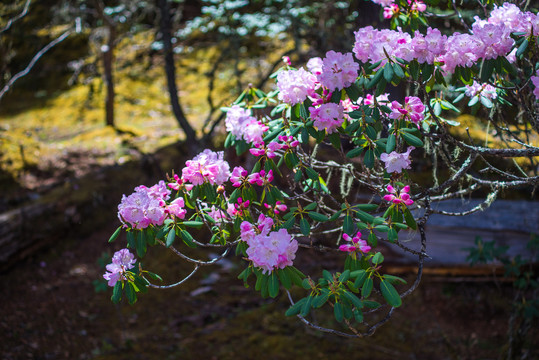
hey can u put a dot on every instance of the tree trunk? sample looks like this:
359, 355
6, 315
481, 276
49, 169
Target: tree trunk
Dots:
108, 59
170, 70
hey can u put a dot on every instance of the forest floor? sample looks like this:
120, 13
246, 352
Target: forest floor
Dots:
51, 310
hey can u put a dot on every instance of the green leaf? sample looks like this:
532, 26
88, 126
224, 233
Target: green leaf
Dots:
409, 218
116, 233
311, 173
372, 240
317, 216
354, 299
117, 292
284, 277
361, 277
344, 276
130, 293
375, 79
187, 238
397, 69
338, 312
392, 235
305, 227
140, 244
154, 276
367, 287
296, 308
261, 281
388, 72
310, 206
390, 294
289, 222
171, 237
411, 139
354, 152
363, 216
335, 140
390, 145
273, 285
368, 160
335, 96
321, 299
487, 67
348, 224
194, 224
296, 276
394, 279
306, 306
522, 48
130, 239
378, 258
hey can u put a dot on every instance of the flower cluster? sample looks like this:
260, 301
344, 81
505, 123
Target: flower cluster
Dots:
396, 162
535, 82
145, 206
397, 197
356, 244
268, 250
412, 110
122, 261
240, 123
208, 166
260, 178
485, 90
327, 116
489, 39
295, 85
238, 176
338, 70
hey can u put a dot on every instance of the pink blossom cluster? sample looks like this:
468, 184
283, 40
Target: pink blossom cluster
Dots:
338, 70
413, 110
513, 18
122, 261
396, 162
485, 90
145, 206
288, 142
489, 39
278, 208
370, 100
327, 117
356, 244
240, 123
238, 176
295, 85
268, 150
268, 250
208, 166
179, 184
260, 178
399, 197
238, 208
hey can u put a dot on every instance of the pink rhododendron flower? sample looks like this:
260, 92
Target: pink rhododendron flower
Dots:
295, 85
238, 176
242, 125
122, 261
269, 150
315, 65
144, 206
417, 5
396, 162
278, 208
275, 250
390, 11
356, 244
401, 197
262, 227
208, 166
179, 184
286, 60
412, 110
338, 70
176, 208
327, 116
485, 90
260, 178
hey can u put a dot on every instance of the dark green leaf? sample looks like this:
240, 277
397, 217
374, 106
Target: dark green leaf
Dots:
367, 287
338, 311
410, 221
117, 292
378, 258
361, 277
354, 152
140, 244
348, 224
317, 216
116, 233
390, 145
130, 293
411, 139
304, 226
296, 308
306, 306
390, 294
522, 48
273, 285
284, 277
171, 237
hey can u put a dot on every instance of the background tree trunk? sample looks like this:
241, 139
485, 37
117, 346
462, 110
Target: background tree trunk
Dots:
170, 70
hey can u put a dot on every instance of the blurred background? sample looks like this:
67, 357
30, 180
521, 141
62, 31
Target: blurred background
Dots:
100, 96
